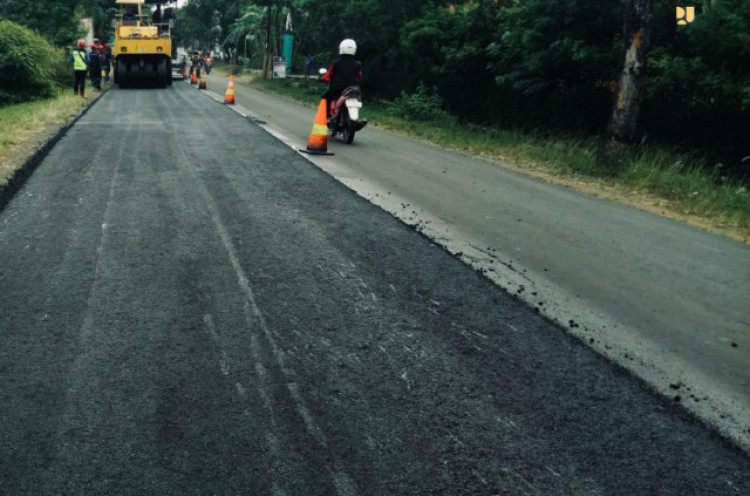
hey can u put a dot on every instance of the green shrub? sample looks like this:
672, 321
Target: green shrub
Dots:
424, 105
63, 70
29, 65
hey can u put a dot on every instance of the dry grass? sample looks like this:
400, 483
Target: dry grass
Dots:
24, 127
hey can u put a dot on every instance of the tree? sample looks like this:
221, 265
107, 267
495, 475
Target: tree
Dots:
552, 60
245, 30
59, 20
629, 95
446, 48
55, 20
699, 80
201, 20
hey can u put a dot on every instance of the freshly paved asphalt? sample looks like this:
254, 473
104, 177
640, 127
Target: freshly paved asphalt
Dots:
189, 307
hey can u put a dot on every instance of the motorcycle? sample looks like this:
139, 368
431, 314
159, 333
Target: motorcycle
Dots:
344, 117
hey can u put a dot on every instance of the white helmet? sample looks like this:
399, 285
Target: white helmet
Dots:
347, 47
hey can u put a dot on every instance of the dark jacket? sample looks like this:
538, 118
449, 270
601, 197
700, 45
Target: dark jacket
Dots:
343, 72
95, 62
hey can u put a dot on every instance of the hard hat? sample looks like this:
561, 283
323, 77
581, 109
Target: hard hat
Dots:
106, 45
81, 44
347, 47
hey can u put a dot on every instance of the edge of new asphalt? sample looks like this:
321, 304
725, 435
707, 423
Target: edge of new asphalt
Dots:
19, 176
471, 255
720, 417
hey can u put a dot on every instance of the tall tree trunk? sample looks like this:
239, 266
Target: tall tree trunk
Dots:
629, 94
267, 56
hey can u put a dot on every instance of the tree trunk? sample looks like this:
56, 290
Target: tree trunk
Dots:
268, 57
623, 121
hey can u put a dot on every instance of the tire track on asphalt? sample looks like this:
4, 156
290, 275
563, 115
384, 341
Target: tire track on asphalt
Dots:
225, 368
81, 408
341, 480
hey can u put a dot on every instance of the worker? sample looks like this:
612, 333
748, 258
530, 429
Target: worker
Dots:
80, 66
106, 61
129, 17
95, 67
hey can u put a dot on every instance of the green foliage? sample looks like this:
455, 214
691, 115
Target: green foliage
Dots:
446, 47
53, 19
244, 34
376, 27
194, 21
102, 12
423, 105
552, 65
699, 78
540, 45
28, 65
58, 20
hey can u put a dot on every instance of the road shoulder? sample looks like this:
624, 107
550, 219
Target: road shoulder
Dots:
30, 152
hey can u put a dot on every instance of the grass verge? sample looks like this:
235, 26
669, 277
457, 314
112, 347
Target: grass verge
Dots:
651, 177
24, 126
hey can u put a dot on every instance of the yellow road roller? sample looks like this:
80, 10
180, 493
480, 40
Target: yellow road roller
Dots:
143, 44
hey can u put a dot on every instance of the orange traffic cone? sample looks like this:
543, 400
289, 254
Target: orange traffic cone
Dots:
194, 78
202, 84
229, 95
317, 144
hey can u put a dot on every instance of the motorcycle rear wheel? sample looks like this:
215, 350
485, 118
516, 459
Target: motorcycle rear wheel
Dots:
347, 127
347, 134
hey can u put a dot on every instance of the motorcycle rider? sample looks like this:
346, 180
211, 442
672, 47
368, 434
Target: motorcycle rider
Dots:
207, 59
195, 63
343, 72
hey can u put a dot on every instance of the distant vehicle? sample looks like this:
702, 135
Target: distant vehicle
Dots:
179, 64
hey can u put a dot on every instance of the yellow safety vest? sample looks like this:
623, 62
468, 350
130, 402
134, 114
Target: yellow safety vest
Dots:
79, 61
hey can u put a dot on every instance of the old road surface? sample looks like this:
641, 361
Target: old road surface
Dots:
190, 307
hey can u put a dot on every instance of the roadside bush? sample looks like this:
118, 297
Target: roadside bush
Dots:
423, 105
28, 65
63, 69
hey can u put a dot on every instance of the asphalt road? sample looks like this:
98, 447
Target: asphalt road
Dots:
667, 301
189, 307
